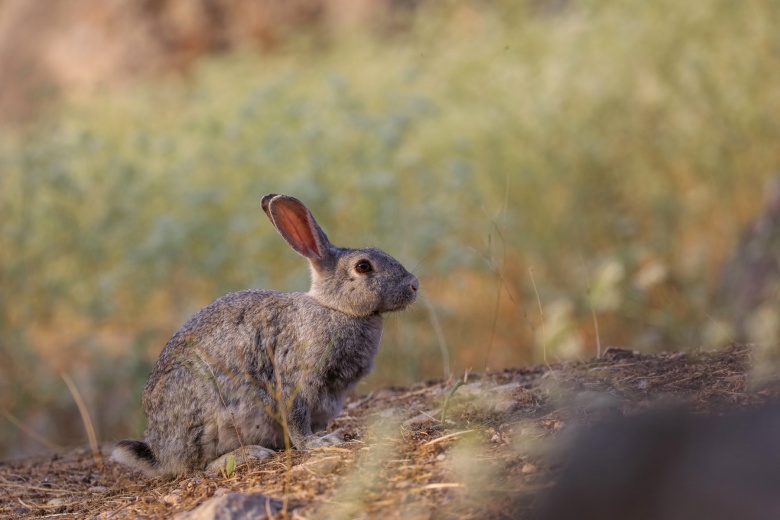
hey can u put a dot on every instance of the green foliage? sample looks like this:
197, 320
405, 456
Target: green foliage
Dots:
618, 142
230, 467
447, 400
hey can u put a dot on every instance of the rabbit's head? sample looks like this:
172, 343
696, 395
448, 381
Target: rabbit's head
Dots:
358, 282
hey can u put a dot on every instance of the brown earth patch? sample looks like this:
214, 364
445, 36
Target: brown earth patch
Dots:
491, 457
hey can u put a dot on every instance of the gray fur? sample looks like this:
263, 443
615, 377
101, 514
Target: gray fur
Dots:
214, 390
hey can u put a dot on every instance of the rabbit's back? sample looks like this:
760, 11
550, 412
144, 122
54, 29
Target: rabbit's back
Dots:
230, 335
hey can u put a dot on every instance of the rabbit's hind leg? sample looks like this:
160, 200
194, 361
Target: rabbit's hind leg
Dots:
240, 455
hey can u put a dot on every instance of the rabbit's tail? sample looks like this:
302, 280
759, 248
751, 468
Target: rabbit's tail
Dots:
136, 454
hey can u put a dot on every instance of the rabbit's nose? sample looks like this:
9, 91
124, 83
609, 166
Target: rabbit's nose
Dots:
415, 284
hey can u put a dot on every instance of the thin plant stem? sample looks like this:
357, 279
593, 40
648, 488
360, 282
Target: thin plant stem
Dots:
541, 314
445, 354
19, 424
85, 418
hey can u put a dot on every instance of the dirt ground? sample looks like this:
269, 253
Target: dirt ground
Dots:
492, 457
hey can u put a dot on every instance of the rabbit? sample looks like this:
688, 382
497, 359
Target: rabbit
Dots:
215, 392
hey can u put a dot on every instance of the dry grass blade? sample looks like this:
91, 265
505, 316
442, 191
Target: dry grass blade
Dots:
446, 437
437, 329
54, 491
592, 311
541, 315
443, 485
19, 424
86, 419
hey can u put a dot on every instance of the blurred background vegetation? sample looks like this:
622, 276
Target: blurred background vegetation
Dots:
560, 174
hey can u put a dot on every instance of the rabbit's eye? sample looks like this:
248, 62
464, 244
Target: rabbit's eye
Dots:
364, 266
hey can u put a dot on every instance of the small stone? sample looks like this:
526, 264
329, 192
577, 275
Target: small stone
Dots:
321, 466
528, 468
55, 502
234, 506
441, 456
171, 499
506, 389
422, 418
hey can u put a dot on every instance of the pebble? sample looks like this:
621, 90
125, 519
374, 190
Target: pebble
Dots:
528, 468
234, 506
320, 466
507, 388
171, 499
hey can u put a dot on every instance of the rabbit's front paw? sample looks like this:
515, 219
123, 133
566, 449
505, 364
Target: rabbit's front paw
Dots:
243, 454
322, 440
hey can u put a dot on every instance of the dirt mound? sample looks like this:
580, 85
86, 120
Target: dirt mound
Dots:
486, 450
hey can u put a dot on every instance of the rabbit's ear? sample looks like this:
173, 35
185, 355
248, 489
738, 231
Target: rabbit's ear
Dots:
297, 226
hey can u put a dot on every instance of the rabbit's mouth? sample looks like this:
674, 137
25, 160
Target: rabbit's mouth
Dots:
402, 298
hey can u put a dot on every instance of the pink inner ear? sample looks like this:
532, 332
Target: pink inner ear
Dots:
293, 223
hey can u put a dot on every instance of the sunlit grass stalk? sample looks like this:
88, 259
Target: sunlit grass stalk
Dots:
541, 316
86, 419
592, 310
439, 332
501, 283
32, 434
446, 405
283, 405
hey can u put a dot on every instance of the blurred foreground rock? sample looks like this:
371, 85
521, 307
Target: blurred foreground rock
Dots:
673, 465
